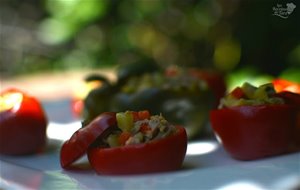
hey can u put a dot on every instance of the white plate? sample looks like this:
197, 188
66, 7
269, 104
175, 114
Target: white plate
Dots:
206, 166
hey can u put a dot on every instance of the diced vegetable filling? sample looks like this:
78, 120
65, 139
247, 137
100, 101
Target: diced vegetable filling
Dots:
248, 94
158, 80
139, 127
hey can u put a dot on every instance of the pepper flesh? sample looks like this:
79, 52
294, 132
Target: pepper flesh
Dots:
156, 156
79, 142
22, 123
252, 132
253, 123
293, 99
286, 85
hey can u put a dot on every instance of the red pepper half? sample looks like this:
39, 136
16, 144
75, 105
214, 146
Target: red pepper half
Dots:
22, 123
156, 156
252, 132
77, 145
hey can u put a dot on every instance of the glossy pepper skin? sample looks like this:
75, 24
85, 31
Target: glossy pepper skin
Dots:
293, 99
253, 132
282, 85
162, 155
79, 142
22, 126
290, 92
155, 156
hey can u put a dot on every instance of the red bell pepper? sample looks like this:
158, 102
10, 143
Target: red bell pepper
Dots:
156, 155
293, 99
252, 132
22, 123
79, 142
286, 85
255, 122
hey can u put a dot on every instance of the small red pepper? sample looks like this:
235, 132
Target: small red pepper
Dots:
22, 123
154, 156
281, 85
79, 142
252, 132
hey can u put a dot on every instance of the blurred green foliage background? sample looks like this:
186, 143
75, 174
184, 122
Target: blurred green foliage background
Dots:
243, 38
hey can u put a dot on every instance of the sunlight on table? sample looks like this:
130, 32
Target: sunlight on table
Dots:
62, 132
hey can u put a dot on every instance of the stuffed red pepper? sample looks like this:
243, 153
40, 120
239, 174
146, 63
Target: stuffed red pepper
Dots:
130, 143
22, 123
254, 122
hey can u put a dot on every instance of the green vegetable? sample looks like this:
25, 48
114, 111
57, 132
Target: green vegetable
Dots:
112, 140
125, 121
264, 94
